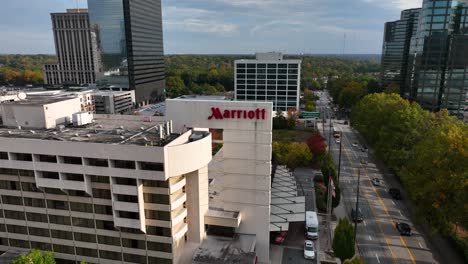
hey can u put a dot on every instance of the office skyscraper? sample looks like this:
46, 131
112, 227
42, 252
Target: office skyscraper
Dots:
438, 61
269, 78
73, 45
396, 44
130, 46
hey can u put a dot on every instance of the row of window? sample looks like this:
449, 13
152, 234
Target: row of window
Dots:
263, 82
269, 71
123, 164
94, 253
264, 77
269, 65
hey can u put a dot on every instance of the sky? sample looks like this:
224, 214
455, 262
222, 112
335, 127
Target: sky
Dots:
228, 26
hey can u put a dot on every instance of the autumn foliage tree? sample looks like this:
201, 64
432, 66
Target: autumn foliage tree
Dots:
316, 144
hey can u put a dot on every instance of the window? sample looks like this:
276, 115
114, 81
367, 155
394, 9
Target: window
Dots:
85, 237
106, 225
160, 184
36, 217
153, 260
64, 249
19, 243
127, 198
81, 207
33, 231
60, 234
14, 215
134, 258
59, 220
82, 222
162, 247
9, 185
17, 229
29, 187
41, 246
133, 243
73, 177
156, 198
158, 231
101, 193
124, 164
151, 166
86, 252
129, 215
50, 175
102, 209
34, 202
54, 204
3, 155
97, 162
21, 156
47, 158
100, 179
12, 200
125, 181
110, 255
71, 160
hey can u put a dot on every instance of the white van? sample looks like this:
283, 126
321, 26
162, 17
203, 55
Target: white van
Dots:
312, 225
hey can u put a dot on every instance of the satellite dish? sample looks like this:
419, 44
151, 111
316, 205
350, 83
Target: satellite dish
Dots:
21, 95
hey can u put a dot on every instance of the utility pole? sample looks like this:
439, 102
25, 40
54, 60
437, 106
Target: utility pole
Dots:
329, 136
357, 204
329, 211
339, 156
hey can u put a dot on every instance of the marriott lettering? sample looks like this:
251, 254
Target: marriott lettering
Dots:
258, 114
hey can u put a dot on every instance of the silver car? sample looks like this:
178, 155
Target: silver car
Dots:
309, 250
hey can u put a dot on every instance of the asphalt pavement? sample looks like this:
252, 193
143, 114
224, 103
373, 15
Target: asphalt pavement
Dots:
378, 240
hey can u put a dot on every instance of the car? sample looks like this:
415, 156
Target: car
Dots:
338, 141
403, 228
356, 217
345, 123
376, 181
363, 161
309, 250
355, 144
364, 149
395, 193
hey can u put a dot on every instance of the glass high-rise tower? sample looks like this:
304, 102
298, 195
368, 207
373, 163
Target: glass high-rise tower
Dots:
396, 44
129, 48
438, 58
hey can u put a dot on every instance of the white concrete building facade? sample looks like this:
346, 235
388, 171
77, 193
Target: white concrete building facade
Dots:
134, 189
268, 78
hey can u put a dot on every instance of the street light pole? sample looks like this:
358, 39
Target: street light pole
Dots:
357, 205
339, 156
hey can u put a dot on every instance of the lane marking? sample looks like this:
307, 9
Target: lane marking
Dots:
378, 260
373, 213
370, 238
389, 216
393, 202
420, 245
364, 222
400, 212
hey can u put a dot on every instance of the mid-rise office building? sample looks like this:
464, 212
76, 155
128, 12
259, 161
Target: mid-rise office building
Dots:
396, 45
130, 46
135, 189
269, 78
114, 102
74, 48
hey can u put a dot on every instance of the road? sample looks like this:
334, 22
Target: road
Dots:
377, 238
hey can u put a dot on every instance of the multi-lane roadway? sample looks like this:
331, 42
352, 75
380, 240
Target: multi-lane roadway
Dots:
377, 237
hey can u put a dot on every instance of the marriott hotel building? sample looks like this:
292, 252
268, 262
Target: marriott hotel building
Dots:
135, 189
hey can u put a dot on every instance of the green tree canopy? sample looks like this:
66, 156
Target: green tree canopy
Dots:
343, 240
36, 257
293, 155
392, 88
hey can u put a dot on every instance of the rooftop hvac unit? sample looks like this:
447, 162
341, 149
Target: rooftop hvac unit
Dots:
82, 118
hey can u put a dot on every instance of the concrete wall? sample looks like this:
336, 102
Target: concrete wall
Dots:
246, 160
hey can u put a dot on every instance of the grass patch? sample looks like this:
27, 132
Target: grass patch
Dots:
291, 135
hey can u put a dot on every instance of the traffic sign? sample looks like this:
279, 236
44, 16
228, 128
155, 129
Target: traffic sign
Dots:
305, 114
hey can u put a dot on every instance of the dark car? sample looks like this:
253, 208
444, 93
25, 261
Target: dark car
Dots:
357, 217
345, 122
395, 193
364, 149
404, 229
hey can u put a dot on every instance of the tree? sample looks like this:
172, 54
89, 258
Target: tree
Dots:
316, 144
292, 118
392, 88
36, 257
293, 155
355, 260
175, 86
343, 240
351, 94
373, 86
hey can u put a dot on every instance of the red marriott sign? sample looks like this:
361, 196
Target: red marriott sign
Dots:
258, 114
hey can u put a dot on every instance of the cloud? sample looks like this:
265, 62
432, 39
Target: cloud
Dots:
400, 4
276, 23
186, 19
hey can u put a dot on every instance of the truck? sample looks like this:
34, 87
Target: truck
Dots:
312, 225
